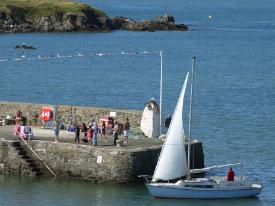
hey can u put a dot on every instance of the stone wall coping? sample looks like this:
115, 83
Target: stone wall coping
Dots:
69, 106
88, 147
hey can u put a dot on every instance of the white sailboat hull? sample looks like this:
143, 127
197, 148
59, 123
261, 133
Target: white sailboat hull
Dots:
204, 191
182, 193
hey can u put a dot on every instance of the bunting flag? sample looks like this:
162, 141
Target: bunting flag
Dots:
24, 57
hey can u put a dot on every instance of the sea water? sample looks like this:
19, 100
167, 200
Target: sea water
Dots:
234, 98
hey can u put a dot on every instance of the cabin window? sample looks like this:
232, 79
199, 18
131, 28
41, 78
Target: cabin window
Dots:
200, 186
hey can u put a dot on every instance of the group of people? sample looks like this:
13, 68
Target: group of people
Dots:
126, 131
89, 134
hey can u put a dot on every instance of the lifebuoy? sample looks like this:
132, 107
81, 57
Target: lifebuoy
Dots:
47, 114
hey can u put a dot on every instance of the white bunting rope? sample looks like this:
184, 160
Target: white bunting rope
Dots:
24, 57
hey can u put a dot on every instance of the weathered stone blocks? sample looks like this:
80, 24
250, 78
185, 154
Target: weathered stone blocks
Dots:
95, 164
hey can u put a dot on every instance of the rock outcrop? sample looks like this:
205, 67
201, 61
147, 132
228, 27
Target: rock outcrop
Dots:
65, 16
165, 22
24, 46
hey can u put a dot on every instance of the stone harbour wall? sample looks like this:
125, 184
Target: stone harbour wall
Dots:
99, 165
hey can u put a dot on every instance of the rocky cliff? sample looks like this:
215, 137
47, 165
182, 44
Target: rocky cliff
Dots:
66, 16
51, 16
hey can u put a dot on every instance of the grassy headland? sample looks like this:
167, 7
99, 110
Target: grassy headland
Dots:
66, 16
39, 8
51, 15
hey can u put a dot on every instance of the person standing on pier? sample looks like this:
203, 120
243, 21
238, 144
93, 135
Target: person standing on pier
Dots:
18, 120
95, 133
77, 133
56, 128
115, 133
126, 130
90, 135
18, 117
84, 129
168, 121
103, 131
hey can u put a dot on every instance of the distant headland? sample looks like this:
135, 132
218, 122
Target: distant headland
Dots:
68, 16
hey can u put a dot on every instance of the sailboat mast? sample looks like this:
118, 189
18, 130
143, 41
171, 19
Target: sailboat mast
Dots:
160, 96
190, 118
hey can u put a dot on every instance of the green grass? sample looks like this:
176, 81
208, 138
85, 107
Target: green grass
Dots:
38, 8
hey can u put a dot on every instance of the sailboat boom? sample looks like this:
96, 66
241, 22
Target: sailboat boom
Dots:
206, 169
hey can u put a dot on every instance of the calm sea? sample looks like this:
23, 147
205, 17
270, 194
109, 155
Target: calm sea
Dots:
234, 100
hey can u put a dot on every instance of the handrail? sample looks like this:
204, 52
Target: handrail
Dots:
36, 154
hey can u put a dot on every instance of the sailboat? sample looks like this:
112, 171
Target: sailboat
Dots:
172, 176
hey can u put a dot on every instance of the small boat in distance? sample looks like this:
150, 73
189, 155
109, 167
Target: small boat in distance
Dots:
172, 176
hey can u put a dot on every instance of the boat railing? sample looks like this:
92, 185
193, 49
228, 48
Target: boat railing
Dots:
243, 180
254, 180
35, 154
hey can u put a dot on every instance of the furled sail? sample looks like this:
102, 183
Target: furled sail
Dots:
172, 160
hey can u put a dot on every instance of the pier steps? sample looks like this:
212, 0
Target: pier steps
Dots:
33, 164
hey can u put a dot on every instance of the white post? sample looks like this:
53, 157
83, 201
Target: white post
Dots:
190, 117
160, 96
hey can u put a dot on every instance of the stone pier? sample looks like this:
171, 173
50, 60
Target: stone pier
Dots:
95, 164
104, 163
